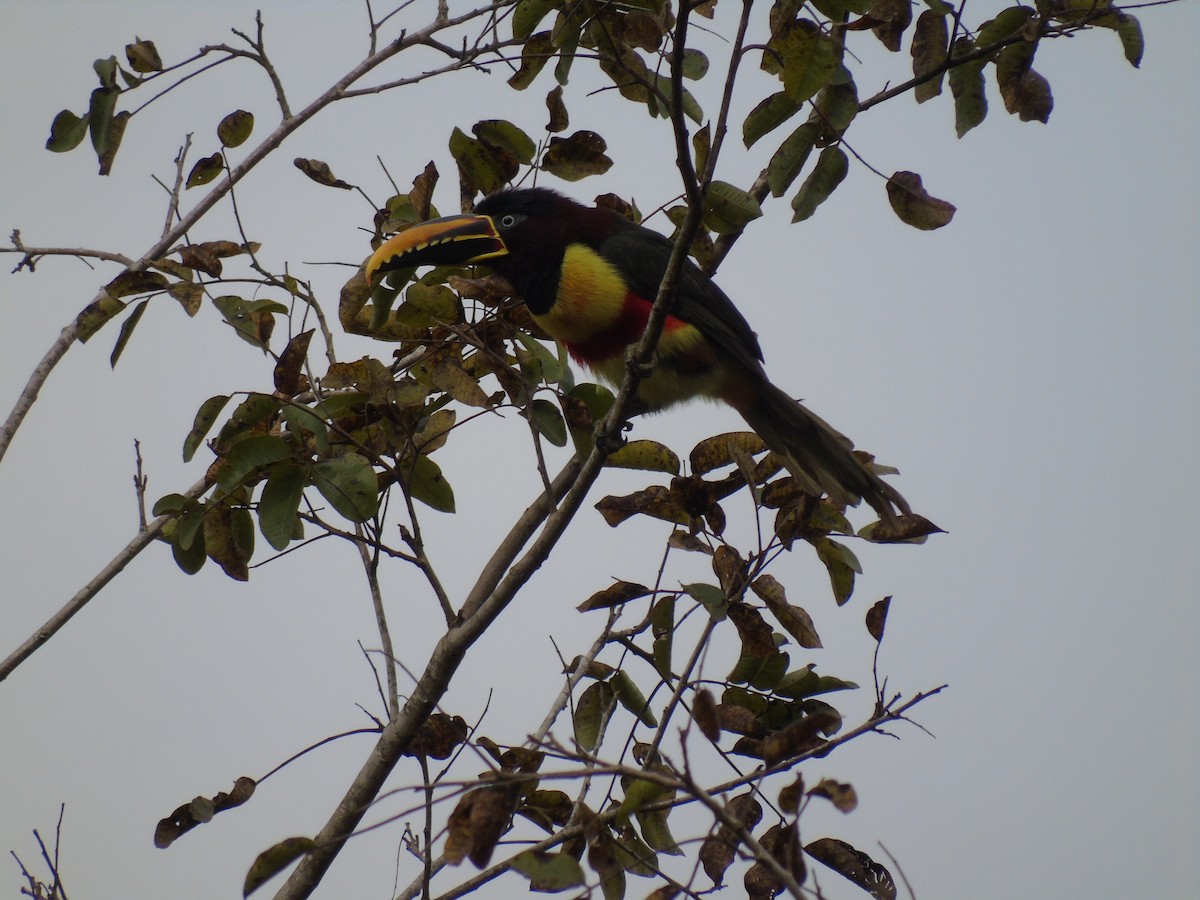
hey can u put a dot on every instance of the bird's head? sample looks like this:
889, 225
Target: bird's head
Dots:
521, 233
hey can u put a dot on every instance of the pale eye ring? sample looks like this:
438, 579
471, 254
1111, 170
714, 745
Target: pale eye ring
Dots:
508, 220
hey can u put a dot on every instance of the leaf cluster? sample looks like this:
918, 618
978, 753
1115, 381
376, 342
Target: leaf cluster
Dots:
346, 448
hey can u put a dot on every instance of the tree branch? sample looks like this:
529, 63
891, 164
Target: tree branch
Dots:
89, 590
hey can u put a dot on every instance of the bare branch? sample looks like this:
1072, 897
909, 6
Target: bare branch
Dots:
93, 587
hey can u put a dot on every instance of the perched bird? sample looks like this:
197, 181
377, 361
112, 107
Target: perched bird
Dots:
589, 277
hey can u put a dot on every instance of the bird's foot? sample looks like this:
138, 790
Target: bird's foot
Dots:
612, 442
642, 370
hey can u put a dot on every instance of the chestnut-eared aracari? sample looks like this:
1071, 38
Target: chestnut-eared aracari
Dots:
589, 277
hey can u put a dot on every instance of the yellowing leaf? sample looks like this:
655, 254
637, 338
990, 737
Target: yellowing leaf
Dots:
205, 170
645, 455
235, 128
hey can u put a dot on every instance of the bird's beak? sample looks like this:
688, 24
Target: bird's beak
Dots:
453, 240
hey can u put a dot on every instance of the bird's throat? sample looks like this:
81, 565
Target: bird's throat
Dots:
590, 300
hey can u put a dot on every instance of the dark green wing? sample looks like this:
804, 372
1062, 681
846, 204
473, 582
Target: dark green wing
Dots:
641, 255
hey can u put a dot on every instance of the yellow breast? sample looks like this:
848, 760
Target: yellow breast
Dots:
591, 295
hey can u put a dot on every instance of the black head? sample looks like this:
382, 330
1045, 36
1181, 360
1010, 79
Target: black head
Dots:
537, 225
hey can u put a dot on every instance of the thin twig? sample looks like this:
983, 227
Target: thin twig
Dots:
92, 588
370, 563
139, 484
176, 191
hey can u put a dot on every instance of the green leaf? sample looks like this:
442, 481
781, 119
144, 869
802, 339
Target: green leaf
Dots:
205, 170
1006, 23
274, 860
659, 101
760, 672
810, 59
189, 528
830, 170
190, 559
534, 55
95, 315
639, 793
254, 411
789, 159
203, 423
549, 872
657, 833
448, 377
633, 855
567, 42
169, 503
235, 128
548, 367
101, 109
427, 484
247, 317
967, 86
662, 625
608, 870
479, 166
836, 108
349, 484
769, 114
729, 209
930, 41
126, 332
248, 455
528, 14
841, 564
507, 136
302, 419
710, 597
584, 406
631, 697
66, 132
106, 71
806, 682
143, 57
549, 422
594, 705
1129, 30
280, 502
695, 64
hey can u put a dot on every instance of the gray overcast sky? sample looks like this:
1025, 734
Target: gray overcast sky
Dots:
1032, 369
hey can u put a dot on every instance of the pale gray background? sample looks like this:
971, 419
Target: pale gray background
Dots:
1032, 369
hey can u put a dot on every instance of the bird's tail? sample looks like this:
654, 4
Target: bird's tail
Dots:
817, 455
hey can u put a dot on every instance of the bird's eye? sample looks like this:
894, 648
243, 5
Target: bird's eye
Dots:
508, 220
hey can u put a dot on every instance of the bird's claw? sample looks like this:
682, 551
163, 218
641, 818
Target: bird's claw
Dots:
642, 370
611, 443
